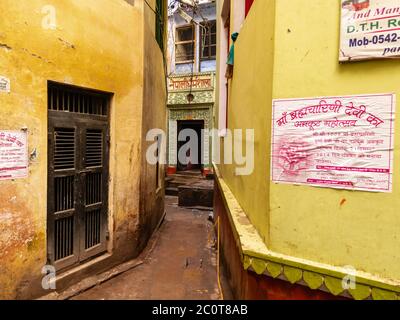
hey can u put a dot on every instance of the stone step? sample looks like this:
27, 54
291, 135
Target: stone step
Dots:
193, 196
189, 173
171, 191
177, 183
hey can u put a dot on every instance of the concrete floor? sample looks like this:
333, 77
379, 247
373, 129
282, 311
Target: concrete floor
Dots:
181, 266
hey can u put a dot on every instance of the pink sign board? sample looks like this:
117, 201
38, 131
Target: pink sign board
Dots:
13, 155
334, 142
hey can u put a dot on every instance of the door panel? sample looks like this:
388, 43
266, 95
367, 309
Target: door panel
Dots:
63, 194
95, 209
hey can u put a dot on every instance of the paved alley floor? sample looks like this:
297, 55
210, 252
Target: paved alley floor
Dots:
181, 265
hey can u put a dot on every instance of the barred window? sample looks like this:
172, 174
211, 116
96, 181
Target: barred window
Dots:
185, 44
208, 32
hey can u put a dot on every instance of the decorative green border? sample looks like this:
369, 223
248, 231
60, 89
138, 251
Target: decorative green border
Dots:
258, 258
199, 97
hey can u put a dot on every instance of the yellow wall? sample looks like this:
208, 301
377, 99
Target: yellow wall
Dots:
250, 96
154, 116
301, 221
97, 44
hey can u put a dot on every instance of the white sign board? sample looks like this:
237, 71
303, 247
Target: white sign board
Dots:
335, 142
13, 155
5, 84
370, 29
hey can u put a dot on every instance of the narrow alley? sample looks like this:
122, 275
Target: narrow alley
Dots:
180, 262
207, 150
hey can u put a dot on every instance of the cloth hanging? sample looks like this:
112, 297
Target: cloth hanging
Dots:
231, 57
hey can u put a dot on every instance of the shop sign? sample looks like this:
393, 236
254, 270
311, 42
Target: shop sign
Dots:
370, 29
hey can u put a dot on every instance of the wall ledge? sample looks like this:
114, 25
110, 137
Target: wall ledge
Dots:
317, 276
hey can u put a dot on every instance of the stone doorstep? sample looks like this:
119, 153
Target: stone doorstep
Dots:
98, 279
170, 191
195, 173
196, 196
93, 281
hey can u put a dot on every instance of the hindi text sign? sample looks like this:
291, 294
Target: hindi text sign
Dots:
338, 142
197, 82
13, 155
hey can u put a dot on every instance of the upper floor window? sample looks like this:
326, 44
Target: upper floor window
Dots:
208, 41
185, 44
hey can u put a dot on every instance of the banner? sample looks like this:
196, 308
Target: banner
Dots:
336, 142
13, 155
370, 29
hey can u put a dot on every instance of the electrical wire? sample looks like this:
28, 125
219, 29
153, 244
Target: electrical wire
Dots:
151, 8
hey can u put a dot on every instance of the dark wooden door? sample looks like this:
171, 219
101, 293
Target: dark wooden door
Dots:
78, 152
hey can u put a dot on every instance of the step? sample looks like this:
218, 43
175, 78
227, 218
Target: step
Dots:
171, 191
193, 196
177, 183
189, 173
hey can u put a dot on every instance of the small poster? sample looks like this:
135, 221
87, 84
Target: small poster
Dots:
13, 155
5, 85
370, 29
336, 142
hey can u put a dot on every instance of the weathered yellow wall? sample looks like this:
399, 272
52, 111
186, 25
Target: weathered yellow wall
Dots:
154, 117
301, 221
250, 96
97, 44
309, 222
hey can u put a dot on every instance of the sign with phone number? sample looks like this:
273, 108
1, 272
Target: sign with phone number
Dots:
370, 29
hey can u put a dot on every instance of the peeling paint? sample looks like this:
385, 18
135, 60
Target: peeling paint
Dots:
66, 43
5, 46
35, 55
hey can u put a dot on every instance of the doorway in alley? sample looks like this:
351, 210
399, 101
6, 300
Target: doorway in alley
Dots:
78, 153
190, 158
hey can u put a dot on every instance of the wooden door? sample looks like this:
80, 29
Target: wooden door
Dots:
78, 152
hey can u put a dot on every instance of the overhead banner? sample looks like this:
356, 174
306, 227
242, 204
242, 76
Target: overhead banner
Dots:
13, 155
335, 142
370, 29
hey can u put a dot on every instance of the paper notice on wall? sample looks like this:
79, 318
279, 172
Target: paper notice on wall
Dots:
13, 155
5, 84
370, 29
335, 142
